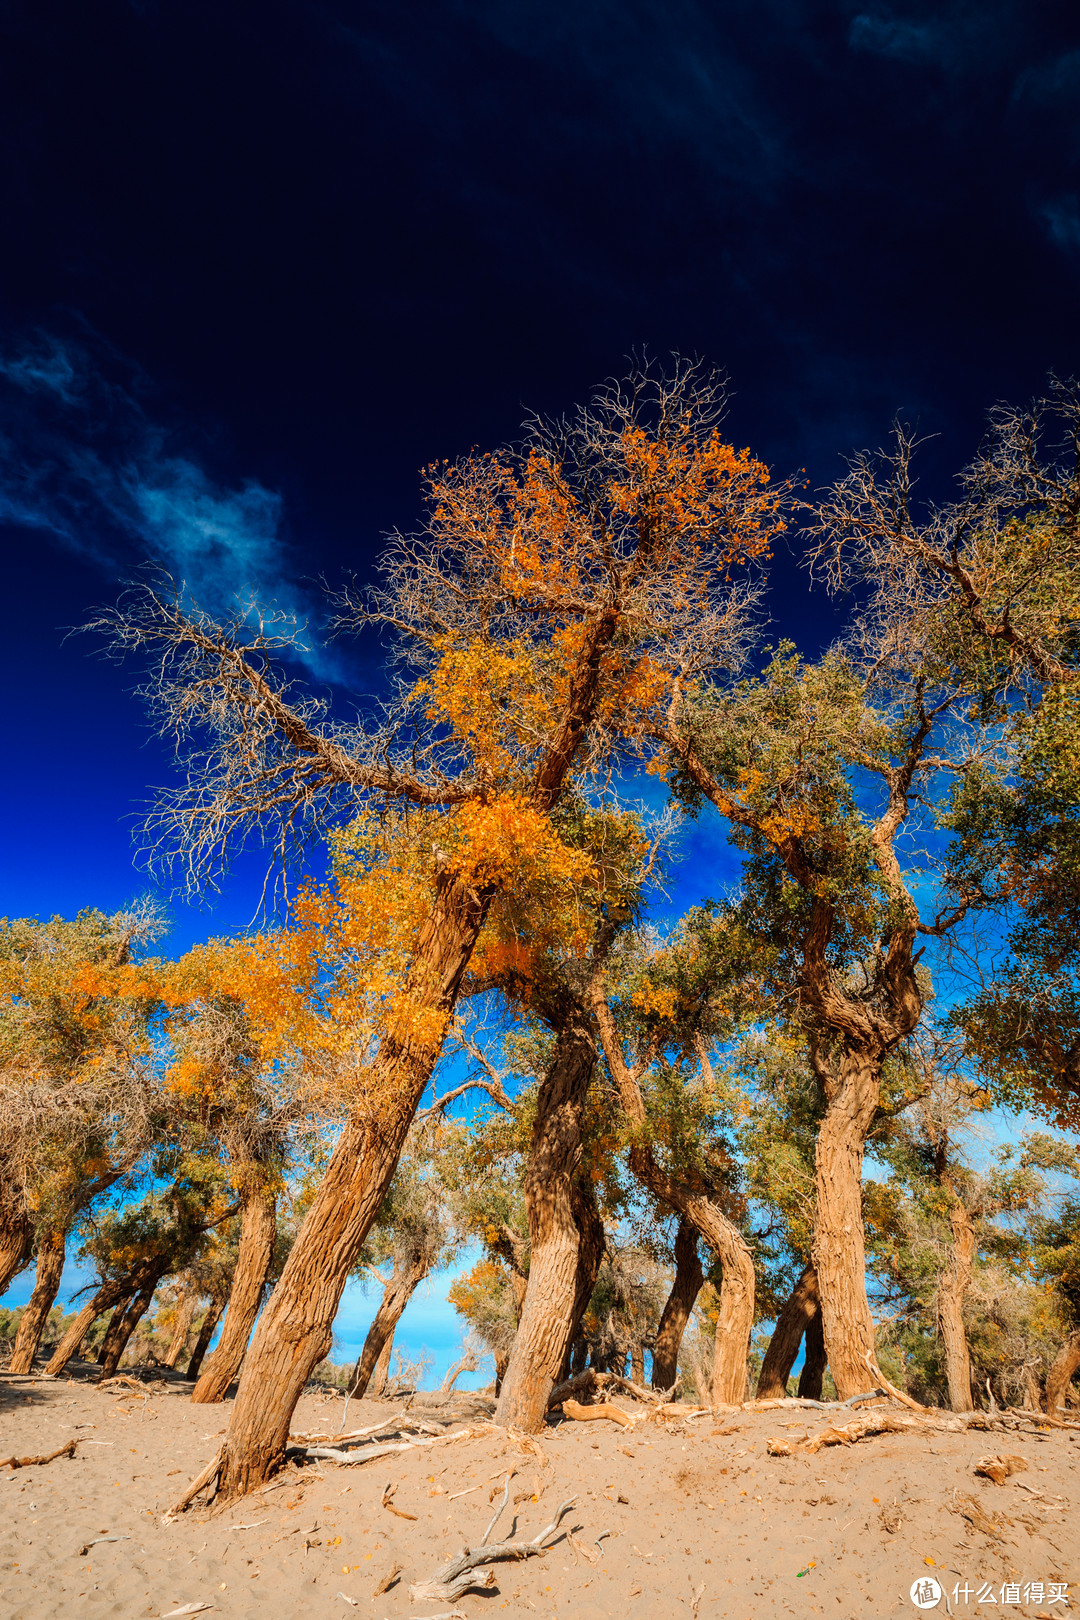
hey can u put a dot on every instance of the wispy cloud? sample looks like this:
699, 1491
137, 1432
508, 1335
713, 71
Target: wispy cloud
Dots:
81, 458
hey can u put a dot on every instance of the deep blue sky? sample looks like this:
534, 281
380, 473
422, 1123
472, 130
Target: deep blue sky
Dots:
263, 261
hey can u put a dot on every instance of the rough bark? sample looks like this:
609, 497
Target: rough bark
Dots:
185, 1315
548, 1318
294, 1331
148, 1272
952, 1287
112, 1332
16, 1243
405, 1279
206, 1333
736, 1318
501, 1363
1059, 1378
791, 1324
130, 1320
50, 1267
381, 1376
812, 1377
679, 1306
590, 1230
839, 1239
637, 1363
258, 1230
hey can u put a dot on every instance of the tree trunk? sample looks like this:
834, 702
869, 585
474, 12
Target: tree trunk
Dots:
128, 1323
839, 1242
637, 1363
50, 1267
466, 1363
555, 1283
148, 1272
206, 1333
723, 1237
1061, 1372
590, 1231
791, 1324
952, 1287
112, 1332
501, 1364
404, 1281
381, 1376
294, 1332
258, 1231
185, 1315
16, 1244
680, 1304
812, 1377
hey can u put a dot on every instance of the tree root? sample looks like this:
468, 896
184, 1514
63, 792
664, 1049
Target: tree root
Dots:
588, 1414
925, 1421
363, 1454
208, 1476
31, 1462
458, 1576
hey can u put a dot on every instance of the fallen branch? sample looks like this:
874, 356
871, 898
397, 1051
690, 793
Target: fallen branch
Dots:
897, 1394
999, 1468
363, 1454
860, 1429
49, 1456
208, 1476
590, 1414
84, 1550
388, 1580
389, 1506
456, 1578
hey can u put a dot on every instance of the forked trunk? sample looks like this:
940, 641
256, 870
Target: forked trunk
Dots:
1060, 1375
185, 1315
206, 1333
50, 1268
679, 1306
294, 1332
128, 1323
405, 1279
952, 1287
147, 1273
839, 1245
812, 1377
255, 1254
791, 1324
112, 1333
590, 1231
548, 1319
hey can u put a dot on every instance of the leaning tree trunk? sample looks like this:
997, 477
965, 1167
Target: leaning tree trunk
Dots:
404, 1281
547, 1320
736, 1319
185, 1315
680, 1304
952, 1287
294, 1331
112, 1332
590, 1231
148, 1272
791, 1324
812, 1377
381, 1376
128, 1323
839, 1241
258, 1231
206, 1333
50, 1268
1061, 1372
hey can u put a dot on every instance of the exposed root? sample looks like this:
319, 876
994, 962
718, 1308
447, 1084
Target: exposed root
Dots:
208, 1476
590, 1414
362, 1454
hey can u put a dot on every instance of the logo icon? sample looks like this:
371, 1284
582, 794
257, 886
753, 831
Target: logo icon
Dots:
925, 1593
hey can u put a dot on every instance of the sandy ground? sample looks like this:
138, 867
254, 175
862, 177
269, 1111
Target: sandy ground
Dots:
699, 1518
